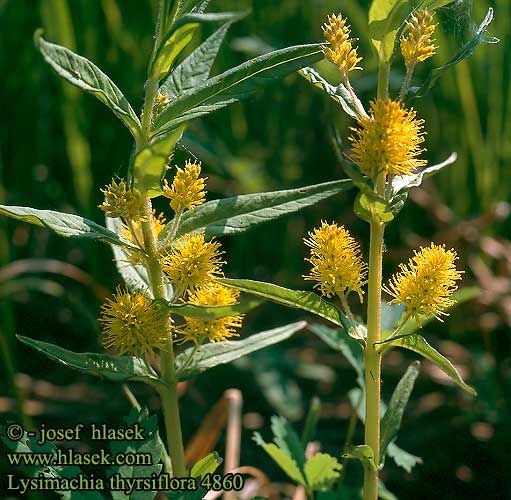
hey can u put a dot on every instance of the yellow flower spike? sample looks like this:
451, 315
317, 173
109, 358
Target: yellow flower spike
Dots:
187, 188
424, 286
132, 325
388, 140
121, 201
341, 51
336, 260
418, 45
192, 263
215, 330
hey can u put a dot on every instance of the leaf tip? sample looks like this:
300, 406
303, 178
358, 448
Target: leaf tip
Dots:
38, 33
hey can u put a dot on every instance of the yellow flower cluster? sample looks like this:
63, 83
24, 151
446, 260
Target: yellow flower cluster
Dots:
418, 45
187, 188
192, 263
215, 330
424, 286
388, 140
341, 51
133, 325
122, 201
336, 260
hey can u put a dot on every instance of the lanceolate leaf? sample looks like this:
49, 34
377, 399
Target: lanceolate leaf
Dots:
384, 19
211, 312
391, 420
66, 225
207, 465
195, 69
418, 344
134, 275
308, 301
116, 368
349, 347
218, 353
465, 51
239, 213
338, 94
82, 73
236, 84
149, 164
180, 36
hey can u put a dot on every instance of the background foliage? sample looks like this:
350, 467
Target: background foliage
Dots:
57, 146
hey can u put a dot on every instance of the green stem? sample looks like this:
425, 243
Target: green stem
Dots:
168, 392
406, 83
348, 312
383, 80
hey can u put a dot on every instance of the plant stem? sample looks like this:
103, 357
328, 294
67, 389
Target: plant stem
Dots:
406, 83
372, 358
168, 392
383, 80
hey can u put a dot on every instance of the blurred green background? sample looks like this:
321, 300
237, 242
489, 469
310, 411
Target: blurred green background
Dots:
57, 147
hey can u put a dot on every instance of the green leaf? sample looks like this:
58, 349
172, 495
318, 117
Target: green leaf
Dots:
83, 74
311, 422
350, 348
418, 344
236, 84
362, 452
134, 275
338, 93
66, 225
402, 184
240, 213
181, 35
370, 205
300, 299
116, 368
285, 462
198, 494
390, 316
210, 312
217, 353
287, 440
151, 446
463, 53
391, 420
402, 458
195, 69
321, 470
150, 164
207, 465
385, 16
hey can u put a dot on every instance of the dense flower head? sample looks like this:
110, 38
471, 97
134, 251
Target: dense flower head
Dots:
388, 140
122, 201
418, 45
133, 325
341, 51
192, 263
187, 188
425, 284
336, 260
215, 330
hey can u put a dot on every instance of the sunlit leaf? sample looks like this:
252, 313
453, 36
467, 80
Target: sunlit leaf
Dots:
240, 213
300, 299
391, 420
321, 471
218, 353
236, 84
116, 368
66, 225
207, 465
82, 73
